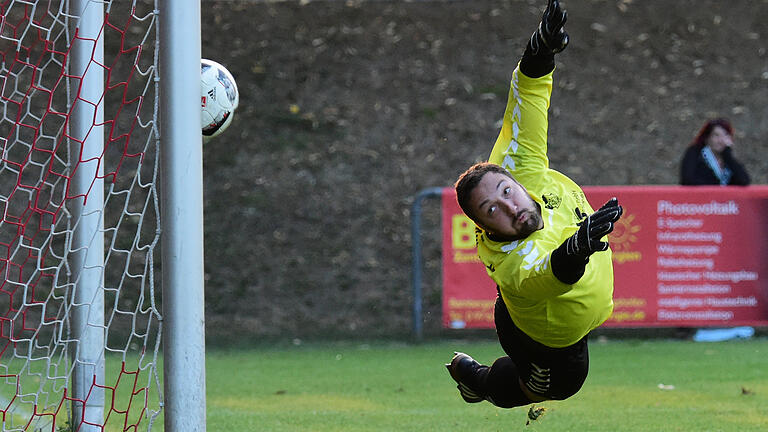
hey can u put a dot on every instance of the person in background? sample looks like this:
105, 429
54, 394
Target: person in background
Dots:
709, 158
709, 161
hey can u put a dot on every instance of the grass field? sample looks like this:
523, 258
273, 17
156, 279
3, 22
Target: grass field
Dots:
634, 385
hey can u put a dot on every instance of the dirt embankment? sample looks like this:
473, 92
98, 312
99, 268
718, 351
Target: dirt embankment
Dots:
349, 109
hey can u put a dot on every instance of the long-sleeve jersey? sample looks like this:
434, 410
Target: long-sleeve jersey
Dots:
549, 311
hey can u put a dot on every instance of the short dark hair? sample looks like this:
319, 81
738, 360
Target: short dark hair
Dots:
468, 181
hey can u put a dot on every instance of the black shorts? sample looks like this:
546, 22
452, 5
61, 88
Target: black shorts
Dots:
554, 373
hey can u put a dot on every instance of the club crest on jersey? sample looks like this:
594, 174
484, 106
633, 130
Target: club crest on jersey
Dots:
551, 201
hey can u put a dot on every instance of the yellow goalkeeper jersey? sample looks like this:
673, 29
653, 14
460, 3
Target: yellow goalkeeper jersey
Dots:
549, 311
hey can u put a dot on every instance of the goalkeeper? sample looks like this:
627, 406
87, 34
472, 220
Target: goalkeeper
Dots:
541, 243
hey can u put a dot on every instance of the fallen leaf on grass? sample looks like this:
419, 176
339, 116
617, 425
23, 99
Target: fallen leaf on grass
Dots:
534, 413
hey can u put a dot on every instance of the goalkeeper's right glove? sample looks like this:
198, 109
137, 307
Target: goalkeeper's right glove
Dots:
550, 37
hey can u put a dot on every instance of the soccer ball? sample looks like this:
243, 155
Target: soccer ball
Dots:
219, 97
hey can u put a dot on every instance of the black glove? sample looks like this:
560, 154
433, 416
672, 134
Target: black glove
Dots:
570, 259
586, 240
550, 37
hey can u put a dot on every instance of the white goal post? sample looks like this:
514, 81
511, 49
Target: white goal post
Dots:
182, 168
100, 182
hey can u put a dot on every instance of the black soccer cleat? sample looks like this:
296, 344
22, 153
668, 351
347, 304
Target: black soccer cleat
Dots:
460, 367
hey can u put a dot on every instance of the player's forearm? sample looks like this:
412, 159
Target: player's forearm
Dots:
568, 269
536, 66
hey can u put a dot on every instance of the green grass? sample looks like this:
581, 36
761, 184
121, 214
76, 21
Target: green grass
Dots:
389, 387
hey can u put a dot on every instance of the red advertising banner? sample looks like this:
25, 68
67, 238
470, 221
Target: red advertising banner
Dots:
468, 292
683, 256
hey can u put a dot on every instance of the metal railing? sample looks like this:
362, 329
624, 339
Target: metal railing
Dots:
416, 274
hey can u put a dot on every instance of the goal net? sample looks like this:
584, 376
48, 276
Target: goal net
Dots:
80, 319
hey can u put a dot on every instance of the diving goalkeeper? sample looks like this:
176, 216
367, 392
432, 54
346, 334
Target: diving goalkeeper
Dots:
541, 243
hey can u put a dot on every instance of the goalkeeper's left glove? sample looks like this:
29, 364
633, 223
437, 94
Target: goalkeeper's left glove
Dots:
550, 37
570, 259
586, 240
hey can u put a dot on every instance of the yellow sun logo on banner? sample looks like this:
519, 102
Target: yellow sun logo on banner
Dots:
623, 238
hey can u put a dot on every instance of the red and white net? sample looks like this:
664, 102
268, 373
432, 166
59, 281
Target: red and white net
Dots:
40, 157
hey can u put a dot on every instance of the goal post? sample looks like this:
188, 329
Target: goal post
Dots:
86, 133
182, 170
100, 182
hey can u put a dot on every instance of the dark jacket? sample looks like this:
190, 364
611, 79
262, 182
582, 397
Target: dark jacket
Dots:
695, 171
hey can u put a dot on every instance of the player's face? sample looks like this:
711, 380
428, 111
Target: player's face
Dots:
719, 139
503, 207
